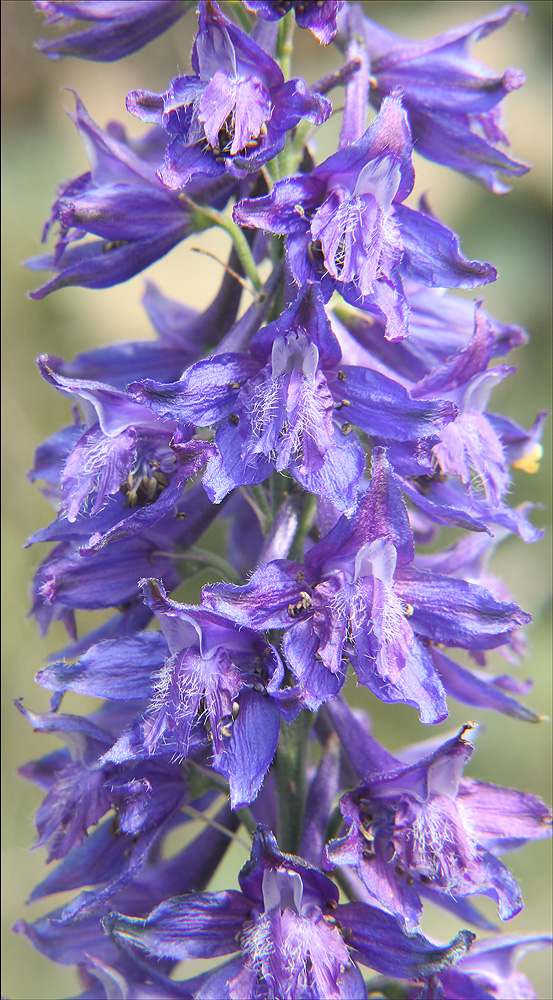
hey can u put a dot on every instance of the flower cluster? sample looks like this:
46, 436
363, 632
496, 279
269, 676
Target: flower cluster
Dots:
336, 424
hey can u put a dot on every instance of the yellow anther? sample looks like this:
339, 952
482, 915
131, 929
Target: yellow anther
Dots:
530, 462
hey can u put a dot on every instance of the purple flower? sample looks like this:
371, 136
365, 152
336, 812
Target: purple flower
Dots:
440, 326
107, 574
120, 201
452, 100
287, 932
116, 29
226, 677
124, 462
319, 17
358, 597
80, 789
83, 942
470, 447
283, 405
232, 114
450, 346
147, 798
346, 225
422, 825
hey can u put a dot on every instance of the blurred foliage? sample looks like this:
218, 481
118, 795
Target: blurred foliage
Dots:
40, 149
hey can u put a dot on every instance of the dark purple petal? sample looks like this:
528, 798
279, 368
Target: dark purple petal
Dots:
479, 689
386, 410
320, 19
376, 940
448, 139
248, 753
417, 684
317, 683
117, 29
322, 793
101, 265
120, 669
265, 600
199, 925
205, 394
456, 612
432, 254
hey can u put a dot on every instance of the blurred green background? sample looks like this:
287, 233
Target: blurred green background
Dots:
40, 149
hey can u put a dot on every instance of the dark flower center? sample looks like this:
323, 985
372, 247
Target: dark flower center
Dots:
145, 483
225, 138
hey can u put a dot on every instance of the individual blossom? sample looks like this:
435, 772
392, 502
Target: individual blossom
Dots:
122, 457
147, 801
319, 17
358, 596
233, 112
81, 789
288, 404
448, 354
470, 446
134, 218
452, 99
347, 227
224, 677
115, 29
468, 559
286, 932
423, 824
107, 576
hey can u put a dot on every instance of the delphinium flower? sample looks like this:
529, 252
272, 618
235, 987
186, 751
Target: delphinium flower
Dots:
335, 424
233, 113
347, 227
476, 448
282, 405
293, 936
489, 970
452, 99
359, 597
108, 577
226, 677
423, 826
120, 201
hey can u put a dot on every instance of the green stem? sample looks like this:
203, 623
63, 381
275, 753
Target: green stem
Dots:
285, 47
290, 773
204, 218
285, 43
306, 521
247, 819
277, 255
302, 129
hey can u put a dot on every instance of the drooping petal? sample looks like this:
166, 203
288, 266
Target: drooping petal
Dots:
248, 752
377, 940
199, 925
